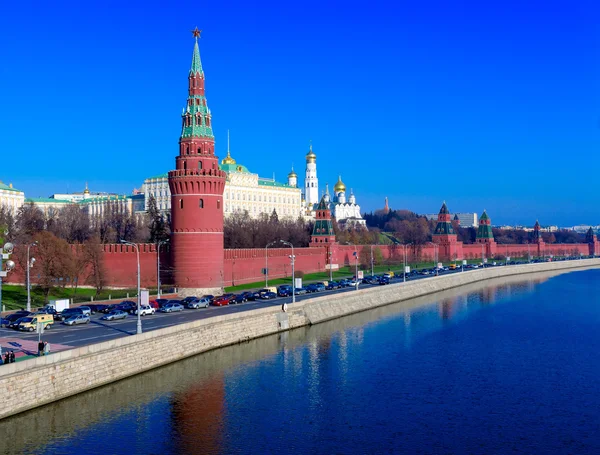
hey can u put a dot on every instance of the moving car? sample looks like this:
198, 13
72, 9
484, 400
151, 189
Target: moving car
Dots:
171, 307
114, 315
284, 290
202, 302
86, 310
126, 305
77, 319
15, 324
29, 323
144, 310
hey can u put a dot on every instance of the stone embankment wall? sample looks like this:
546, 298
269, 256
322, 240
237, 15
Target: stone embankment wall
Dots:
42, 380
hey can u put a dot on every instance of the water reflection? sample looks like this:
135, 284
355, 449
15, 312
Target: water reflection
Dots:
213, 402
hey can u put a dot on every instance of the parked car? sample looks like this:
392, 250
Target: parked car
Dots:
114, 315
311, 288
268, 295
245, 297
77, 319
209, 297
222, 300
144, 310
344, 283
171, 307
11, 318
98, 308
154, 304
86, 310
67, 313
300, 291
383, 280
202, 302
126, 305
15, 324
161, 302
320, 287
188, 299
284, 290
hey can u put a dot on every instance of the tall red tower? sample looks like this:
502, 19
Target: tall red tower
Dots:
445, 237
197, 186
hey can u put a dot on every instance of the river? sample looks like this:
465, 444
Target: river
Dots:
504, 366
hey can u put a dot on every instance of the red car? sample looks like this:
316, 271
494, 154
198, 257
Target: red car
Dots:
223, 300
154, 304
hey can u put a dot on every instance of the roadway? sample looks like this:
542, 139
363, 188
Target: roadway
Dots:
98, 331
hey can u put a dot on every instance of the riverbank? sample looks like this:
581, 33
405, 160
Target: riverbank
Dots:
39, 381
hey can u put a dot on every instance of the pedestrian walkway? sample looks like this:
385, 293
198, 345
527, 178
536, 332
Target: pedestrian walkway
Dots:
24, 348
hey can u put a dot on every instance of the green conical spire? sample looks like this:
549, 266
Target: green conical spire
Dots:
196, 63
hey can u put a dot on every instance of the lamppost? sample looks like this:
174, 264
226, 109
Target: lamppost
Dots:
404, 276
30, 263
528, 253
233, 271
372, 273
5, 252
161, 242
267, 263
139, 316
293, 259
356, 267
329, 255
435, 256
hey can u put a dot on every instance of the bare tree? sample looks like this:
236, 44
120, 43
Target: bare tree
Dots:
93, 258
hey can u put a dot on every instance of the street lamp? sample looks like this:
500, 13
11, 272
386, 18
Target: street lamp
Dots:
356, 267
30, 263
372, 273
5, 252
267, 263
482, 257
435, 256
137, 251
404, 276
293, 259
528, 253
161, 242
329, 255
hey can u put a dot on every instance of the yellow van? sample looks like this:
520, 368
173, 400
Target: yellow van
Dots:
29, 324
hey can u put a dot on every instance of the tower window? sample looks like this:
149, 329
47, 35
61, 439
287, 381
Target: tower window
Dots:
180, 203
199, 164
201, 203
218, 204
187, 149
199, 150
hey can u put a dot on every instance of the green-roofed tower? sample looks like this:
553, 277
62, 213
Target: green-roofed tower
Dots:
322, 234
445, 236
484, 231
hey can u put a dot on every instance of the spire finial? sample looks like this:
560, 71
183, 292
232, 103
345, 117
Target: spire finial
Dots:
196, 33
228, 152
310, 146
196, 63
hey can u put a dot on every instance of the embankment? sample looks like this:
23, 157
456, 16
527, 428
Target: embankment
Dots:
39, 381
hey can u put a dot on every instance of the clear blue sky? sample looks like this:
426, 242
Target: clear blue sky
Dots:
487, 105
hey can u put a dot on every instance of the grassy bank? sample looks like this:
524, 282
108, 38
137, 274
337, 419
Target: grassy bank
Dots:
14, 297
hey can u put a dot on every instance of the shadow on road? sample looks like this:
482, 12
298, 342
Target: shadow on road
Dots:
116, 329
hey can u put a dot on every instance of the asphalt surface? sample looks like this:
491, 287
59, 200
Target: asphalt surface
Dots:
98, 331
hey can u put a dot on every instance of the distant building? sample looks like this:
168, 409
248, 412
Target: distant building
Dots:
464, 219
10, 197
158, 186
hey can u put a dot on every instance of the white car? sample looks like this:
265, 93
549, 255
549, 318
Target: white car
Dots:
144, 310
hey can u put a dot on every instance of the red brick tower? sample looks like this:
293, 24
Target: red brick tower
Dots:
197, 187
538, 239
485, 234
445, 236
322, 234
592, 241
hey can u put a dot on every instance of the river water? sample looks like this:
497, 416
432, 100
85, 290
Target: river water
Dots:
508, 366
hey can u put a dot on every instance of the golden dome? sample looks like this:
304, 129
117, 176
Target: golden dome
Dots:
86, 191
339, 186
310, 156
228, 159
292, 174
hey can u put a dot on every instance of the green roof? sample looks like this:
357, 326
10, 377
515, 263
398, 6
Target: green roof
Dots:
8, 188
34, 200
160, 176
233, 168
196, 63
272, 183
484, 216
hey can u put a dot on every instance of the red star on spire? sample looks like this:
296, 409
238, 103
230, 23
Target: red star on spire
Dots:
196, 32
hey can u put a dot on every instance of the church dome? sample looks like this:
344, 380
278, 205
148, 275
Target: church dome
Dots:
310, 156
228, 159
339, 186
292, 174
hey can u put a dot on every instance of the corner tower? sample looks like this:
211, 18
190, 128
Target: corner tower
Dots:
197, 186
322, 234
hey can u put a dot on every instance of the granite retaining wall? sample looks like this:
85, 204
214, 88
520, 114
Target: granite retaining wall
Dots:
42, 380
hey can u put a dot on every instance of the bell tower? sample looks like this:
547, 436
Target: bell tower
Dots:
197, 186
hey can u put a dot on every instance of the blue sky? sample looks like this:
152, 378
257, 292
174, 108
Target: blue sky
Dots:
486, 105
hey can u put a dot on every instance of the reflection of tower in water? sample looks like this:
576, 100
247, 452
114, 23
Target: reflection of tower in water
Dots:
197, 417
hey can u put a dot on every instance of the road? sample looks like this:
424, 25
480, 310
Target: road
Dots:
98, 331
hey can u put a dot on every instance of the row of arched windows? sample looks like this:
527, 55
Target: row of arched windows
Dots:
200, 203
